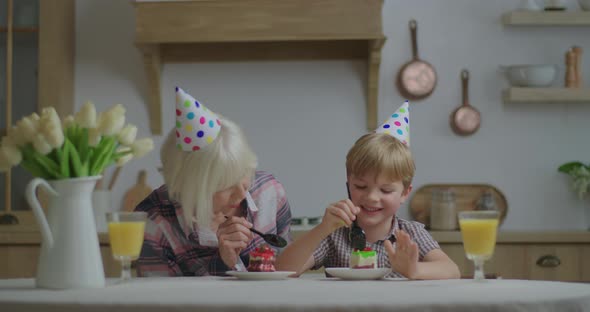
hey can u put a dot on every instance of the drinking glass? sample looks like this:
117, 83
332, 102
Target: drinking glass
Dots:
478, 229
126, 231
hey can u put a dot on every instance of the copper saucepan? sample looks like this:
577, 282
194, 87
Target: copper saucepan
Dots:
465, 120
416, 80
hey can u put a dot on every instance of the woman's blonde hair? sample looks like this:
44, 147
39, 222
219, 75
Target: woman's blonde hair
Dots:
193, 178
382, 155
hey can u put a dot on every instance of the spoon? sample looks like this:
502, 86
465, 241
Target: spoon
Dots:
357, 237
272, 239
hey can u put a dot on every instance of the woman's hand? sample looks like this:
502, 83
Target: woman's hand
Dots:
233, 235
339, 214
404, 258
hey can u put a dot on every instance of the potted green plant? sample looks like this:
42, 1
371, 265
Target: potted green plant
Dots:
580, 174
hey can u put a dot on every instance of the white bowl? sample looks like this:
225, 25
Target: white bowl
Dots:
542, 75
584, 4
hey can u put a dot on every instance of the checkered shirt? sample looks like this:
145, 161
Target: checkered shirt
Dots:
335, 250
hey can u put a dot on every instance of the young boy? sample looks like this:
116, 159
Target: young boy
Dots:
379, 170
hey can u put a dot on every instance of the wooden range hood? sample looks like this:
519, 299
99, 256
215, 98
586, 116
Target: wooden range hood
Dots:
238, 30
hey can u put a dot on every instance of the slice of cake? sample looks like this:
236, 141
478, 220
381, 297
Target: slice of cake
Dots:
363, 259
262, 259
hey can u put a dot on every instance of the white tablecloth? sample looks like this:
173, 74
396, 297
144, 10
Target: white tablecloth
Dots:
314, 293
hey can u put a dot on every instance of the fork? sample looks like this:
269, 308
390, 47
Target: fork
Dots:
357, 237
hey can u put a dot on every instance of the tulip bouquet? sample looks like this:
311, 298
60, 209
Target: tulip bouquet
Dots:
79, 146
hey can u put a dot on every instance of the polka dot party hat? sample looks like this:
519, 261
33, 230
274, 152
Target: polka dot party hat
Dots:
196, 126
398, 125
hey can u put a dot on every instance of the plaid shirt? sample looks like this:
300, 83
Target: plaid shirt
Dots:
335, 250
171, 248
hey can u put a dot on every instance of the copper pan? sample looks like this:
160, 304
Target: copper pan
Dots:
465, 120
416, 80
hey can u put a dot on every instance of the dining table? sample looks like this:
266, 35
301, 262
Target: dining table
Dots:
311, 292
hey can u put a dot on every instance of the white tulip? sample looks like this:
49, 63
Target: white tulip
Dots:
142, 147
124, 159
28, 128
17, 136
128, 134
68, 122
11, 154
86, 117
34, 116
112, 121
41, 145
54, 135
93, 137
49, 115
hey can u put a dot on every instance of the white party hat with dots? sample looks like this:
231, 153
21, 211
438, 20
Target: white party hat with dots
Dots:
398, 125
196, 126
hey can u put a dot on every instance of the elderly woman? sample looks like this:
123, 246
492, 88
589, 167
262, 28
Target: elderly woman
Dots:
199, 220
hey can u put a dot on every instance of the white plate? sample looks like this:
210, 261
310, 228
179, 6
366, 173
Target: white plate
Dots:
358, 274
258, 276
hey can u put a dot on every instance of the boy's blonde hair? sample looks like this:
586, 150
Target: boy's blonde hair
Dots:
193, 178
382, 155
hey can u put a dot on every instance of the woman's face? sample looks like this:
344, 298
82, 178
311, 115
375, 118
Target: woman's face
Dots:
227, 201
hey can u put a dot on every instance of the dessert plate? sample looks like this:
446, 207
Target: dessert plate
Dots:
358, 274
258, 276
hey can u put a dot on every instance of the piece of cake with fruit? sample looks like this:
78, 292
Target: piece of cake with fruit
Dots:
363, 259
262, 259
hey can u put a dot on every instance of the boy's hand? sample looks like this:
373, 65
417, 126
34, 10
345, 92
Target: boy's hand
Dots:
340, 214
233, 235
404, 258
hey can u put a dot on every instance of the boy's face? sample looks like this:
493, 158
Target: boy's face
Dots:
378, 198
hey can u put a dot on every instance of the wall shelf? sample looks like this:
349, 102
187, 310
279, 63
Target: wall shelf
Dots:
21, 29
547, 95
238, 30
563, 18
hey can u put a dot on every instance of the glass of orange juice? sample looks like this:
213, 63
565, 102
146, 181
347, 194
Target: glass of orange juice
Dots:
478, 229
126, 231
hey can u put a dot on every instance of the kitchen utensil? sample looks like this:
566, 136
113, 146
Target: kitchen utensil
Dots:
530, 75
443, 211
467, 197
529, 5
465, 120
114, 178
416, 80
570, 69
272, 239
357, 236
126, 231
137, 193
70, 252
578, 65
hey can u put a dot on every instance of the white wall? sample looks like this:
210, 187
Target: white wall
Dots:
302, 117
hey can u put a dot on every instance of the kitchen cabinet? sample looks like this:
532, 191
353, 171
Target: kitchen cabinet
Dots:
36, 71
239, 30
19, 253
555, 256
541, 19
532, 18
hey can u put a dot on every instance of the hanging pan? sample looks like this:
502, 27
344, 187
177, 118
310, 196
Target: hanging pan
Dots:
465, 120
416, 80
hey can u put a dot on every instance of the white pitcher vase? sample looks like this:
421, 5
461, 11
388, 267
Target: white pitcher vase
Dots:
70, 252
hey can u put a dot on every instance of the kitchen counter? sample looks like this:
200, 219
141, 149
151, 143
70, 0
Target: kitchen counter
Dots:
18, 237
